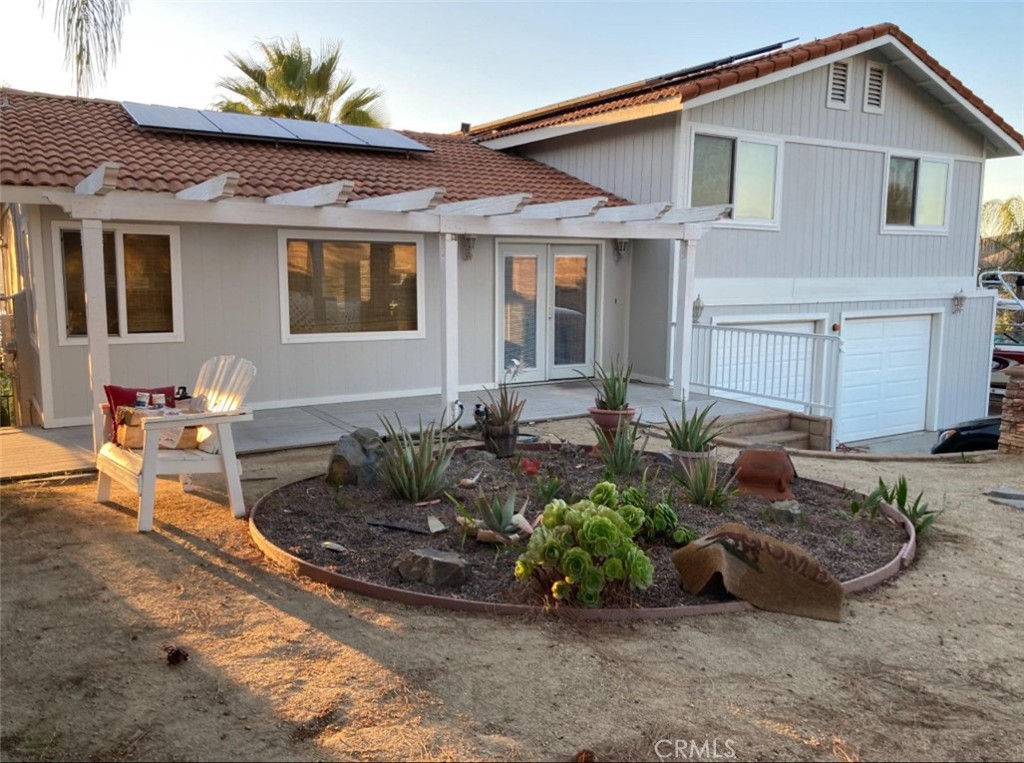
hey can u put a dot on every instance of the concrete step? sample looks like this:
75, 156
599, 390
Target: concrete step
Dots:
787, 438
743, 425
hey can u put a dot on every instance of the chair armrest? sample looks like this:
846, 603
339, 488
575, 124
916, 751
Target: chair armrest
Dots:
154, 423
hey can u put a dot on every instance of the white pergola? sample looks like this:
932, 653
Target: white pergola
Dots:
424, 211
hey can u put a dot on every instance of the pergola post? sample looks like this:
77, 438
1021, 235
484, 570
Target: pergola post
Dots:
683, 354
448, 244
96, 322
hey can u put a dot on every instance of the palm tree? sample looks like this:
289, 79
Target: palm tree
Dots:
1002, 233
91, 33
290, 81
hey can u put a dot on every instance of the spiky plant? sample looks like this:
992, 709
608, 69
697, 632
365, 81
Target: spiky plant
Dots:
701, 484
415, 470
620, 454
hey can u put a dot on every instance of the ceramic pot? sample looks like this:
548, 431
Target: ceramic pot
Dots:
683, 459
501, 440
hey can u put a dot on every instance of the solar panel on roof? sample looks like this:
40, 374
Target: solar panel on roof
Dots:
319, 132
225, 123
247, 125
169, 118
380, 138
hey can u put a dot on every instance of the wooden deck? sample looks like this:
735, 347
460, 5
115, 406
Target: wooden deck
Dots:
34, 451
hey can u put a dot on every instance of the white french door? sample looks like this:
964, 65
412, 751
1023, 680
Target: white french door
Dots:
547, 306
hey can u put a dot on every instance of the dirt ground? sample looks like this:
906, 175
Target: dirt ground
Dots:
929, 667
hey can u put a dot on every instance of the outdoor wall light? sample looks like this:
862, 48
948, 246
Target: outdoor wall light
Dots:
959, 300
621, 244
698, 309
468, 246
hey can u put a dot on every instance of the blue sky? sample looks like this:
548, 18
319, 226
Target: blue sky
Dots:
443, 63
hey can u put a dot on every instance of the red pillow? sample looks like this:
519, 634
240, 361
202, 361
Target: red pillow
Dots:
118, 396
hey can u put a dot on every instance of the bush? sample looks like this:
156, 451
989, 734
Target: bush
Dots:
415, 470
585, 550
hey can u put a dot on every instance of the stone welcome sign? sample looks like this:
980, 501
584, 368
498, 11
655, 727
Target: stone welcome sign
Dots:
765, 571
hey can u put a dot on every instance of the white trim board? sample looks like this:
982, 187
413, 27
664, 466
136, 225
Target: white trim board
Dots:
782, 291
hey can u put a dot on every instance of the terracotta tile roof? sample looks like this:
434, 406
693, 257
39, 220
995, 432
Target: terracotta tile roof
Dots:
49, 140
689, 86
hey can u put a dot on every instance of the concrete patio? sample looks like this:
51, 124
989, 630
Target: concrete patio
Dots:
34, 451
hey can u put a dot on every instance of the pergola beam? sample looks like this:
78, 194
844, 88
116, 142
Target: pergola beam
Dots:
214, 189
698, 214
634, 212
100, 181
487, 206
328, 195
410, 201
561, 210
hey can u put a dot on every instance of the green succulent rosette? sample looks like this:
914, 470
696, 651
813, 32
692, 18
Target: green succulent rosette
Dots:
614, 569
561, 590
639, 568
600, 536
553, 514
592, 580
684, 535
634, 516
575, 562
605, 494
589, 598
524, 568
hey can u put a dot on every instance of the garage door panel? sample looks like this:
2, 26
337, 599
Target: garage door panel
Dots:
885, 376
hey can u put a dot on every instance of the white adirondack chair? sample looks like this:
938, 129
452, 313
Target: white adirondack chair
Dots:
224, 382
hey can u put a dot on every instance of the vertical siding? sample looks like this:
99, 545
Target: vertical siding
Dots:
649, 308
633, 159
830, 225
478, 316
796, 106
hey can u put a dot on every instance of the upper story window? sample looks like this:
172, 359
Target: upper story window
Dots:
838, 85
351, 289
142, 283
874, 88
737, 171
916, 194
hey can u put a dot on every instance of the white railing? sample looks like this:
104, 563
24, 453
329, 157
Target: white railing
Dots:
777, 368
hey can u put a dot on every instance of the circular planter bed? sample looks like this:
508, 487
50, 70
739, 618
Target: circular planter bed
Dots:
291, 525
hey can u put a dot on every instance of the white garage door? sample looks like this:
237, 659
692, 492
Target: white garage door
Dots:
885, 376
757, 362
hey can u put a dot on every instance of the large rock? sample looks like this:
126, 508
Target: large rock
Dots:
355, 459
433, 567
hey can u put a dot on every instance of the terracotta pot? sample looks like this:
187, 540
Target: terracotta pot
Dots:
683, 459
609, 420
501, 440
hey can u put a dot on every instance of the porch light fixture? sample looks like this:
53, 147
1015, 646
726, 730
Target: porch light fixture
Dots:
959, 300
698, 309
468, 246
621, 244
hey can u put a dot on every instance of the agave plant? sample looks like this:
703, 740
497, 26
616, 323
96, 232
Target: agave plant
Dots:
701, 484
620, 454
613, 388
415, 470
693, 434
497, 514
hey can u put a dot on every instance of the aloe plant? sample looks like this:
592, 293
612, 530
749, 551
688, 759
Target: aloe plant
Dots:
613, 388
415, 470
620, 454
701, 484
695, 433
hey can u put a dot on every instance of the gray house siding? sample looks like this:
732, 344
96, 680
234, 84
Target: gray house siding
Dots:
649, 309
633, 159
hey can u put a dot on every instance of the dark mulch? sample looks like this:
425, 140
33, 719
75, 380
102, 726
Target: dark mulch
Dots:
300, 516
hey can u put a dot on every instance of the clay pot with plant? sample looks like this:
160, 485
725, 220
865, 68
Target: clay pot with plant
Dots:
692, 437
501, 427
611, 405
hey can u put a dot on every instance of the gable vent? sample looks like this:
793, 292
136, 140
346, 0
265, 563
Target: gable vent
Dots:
874, 89
838, 85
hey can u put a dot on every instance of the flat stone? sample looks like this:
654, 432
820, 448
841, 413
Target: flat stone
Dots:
1006, 492
785, 512
432, 567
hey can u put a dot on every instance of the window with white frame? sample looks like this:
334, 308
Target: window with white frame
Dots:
737, 171
142, 281
361, 289
916, 193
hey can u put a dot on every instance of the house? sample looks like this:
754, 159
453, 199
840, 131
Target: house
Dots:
854, 166
352, 264
347, 264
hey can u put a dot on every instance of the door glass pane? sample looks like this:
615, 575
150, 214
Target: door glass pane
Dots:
755, 181
570, 310
74, 282
931, 193
147, 283
899, 203
712, 171
521, 310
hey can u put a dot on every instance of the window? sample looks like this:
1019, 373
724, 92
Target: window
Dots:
735, 171
838, 85
141, 278
874, 89
351, 289
916, 193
